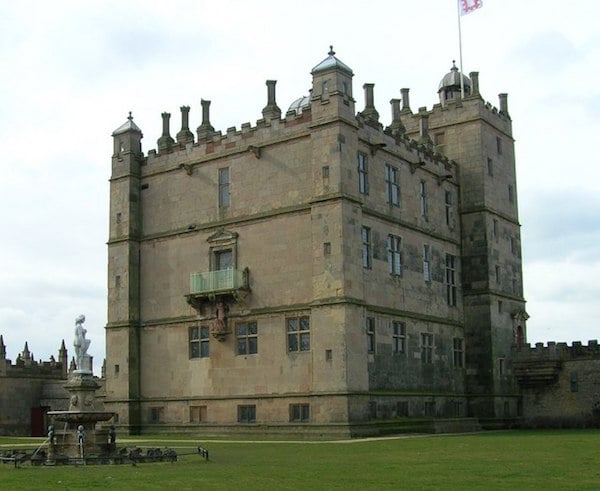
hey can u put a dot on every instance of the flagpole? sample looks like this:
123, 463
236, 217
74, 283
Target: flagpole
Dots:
460, 59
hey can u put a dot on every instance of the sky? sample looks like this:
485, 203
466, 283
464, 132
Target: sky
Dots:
72, 70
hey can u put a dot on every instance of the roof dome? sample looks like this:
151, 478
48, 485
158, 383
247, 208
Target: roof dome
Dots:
299, 104
331, 62
452, 80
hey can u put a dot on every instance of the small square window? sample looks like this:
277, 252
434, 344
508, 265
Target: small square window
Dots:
247, 338
299, 413
327, 248
246, 414
325, 171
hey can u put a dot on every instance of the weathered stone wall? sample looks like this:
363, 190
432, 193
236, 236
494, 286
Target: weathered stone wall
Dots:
560, 384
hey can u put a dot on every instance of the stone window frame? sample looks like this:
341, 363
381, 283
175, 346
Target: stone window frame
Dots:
365, 234
363, 173
246, 335
370, 327
427, 263
224, 189
221, 241
423, 199
451, 287
427, 346
246, 413
398, 337
300, 413
394, 249
392, 185
458, 352
298, 337
199, 341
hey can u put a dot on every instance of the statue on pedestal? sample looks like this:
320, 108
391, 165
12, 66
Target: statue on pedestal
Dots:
81, 344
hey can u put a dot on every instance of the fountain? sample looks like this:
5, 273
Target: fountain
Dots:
72, 436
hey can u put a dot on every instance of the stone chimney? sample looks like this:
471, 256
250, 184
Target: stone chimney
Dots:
271, 110
185, 135
369, 112
396, 127
165, 142
474, 76
424, 126
405, 101
503, 103
205, 130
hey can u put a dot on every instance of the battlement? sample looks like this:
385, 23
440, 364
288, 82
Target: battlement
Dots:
562, 351
26, 366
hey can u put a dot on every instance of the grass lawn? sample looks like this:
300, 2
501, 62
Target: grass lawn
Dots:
499, 460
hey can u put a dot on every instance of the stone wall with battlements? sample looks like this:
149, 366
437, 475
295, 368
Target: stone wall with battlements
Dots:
560, 384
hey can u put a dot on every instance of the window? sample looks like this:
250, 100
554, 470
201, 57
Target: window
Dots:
363, 177
426, 348
448, 205
325, 87
501, 366
247, 338
490, 167
499, 306
325, 171
197, 414
497, 273
511, 193
366, 247
574, 382
439, 140
298, 332
499, 145
402, 409
495, 228
119, 216
423, 198
246, 414
391, 184
398, 337
430, 408
458, 352
326, 248
223, 260
451, 280
199, 339
156, 414
394, 258
370, 334
299, 413
426, 263
224, 198
117, 369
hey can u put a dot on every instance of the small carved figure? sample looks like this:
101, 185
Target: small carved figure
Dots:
112, 435
219, 325
51, 434
80, 343
80, 434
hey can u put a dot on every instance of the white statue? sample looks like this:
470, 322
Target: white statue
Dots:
80, 343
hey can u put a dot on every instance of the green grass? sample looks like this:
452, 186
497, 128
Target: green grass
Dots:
498, 460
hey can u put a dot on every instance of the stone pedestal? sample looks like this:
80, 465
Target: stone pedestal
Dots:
75, 435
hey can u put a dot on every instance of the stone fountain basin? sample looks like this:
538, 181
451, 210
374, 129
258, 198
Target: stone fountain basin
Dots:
78, 417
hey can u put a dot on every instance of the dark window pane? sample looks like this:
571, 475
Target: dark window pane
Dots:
194, 350
204, 349
252, 329
304, 341
242, 329
292, 324
304, 324
204, 332
194, 333
241, 346
252, 345
292, 342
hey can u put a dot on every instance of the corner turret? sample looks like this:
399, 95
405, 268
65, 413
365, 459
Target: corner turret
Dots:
450, 86
332, 88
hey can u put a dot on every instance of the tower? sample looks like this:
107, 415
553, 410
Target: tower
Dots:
479, 138
122, 330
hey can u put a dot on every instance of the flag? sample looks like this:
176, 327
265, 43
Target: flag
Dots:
468, 6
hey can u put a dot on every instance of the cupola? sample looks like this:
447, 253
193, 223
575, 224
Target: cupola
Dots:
450, 86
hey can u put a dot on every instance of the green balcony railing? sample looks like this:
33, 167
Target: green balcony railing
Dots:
216, 281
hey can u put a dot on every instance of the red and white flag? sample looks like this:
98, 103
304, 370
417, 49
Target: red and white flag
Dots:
468, 6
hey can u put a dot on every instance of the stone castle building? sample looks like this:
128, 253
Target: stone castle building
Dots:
318, 271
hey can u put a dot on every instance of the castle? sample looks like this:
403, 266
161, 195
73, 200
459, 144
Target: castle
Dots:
321, 273
317, 269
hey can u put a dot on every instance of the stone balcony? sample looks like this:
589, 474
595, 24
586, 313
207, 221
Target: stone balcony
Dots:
211, 286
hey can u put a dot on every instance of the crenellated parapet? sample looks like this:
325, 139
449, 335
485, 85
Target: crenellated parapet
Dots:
25, 366
541, 364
